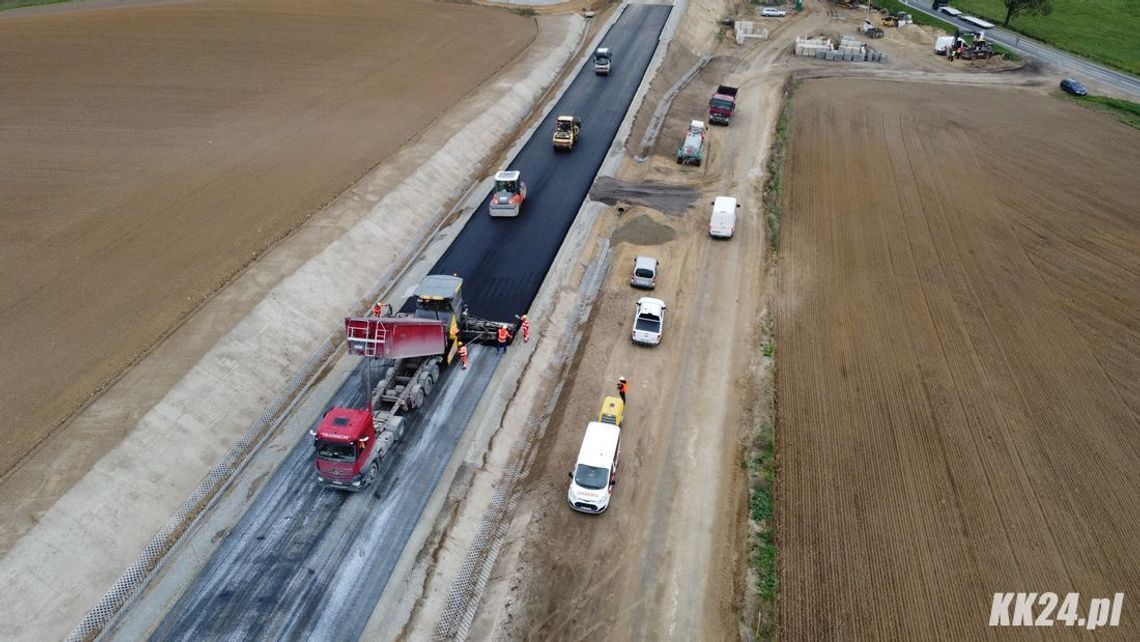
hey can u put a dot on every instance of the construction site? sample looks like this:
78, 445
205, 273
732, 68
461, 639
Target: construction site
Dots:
351, 282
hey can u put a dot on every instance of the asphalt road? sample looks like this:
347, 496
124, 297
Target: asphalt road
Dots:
504, 260
310, 563
1079, 67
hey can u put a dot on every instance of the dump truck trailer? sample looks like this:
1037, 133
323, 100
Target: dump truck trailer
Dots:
722, 105
350, 443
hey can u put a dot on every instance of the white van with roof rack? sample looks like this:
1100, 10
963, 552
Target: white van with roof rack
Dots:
593, 478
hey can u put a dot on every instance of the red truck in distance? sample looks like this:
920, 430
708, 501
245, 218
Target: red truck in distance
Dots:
722, 104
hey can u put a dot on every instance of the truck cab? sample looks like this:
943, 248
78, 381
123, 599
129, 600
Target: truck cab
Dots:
346, 449
603, 61
692, 149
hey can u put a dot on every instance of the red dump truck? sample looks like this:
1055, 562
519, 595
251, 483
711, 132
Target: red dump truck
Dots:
349, 442
722, 104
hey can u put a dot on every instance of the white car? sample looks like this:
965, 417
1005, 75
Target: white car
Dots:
648, 321
772, 12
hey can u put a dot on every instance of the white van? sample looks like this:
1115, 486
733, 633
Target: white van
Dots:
722, 224
593, 478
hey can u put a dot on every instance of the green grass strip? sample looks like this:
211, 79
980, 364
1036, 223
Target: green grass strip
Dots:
774, 187
16, 4
1125, 111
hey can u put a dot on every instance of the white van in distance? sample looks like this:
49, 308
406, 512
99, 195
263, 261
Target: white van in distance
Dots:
722, 224
593, 478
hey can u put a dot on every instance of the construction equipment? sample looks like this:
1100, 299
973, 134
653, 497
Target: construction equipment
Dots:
722, 105
870, 31
692, 149
972, 45
509, 194
603, 61
566, 132
612, 410
889, 21
350, 443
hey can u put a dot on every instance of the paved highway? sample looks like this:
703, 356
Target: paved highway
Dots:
504, 260
310, 563
1066, 62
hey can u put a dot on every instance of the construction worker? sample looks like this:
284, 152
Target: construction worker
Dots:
504, 337
463, 355
377, 310
525, 325
623, 387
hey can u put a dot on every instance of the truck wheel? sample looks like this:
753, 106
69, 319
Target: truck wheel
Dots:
433, 374
373, 472
427, 385
417, 398
697, 162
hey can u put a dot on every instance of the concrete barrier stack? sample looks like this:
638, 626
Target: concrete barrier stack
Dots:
746, 30
848, 50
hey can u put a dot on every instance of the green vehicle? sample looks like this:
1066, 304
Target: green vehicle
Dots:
692, 150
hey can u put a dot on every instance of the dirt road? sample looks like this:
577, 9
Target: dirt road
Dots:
152, 151
666, 560
958, 370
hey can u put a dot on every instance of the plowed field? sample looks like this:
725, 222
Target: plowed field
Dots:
151, 151
958, 380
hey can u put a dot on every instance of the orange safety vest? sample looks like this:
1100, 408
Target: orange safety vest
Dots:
462, 352
623, 386
526, 326
503, 335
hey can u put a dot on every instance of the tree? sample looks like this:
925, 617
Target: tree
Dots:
1015, 8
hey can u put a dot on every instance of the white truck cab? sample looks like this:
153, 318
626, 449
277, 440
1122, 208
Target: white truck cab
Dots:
593, 478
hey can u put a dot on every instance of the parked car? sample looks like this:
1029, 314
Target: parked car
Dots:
644, 273
1073, 87
648, 321
773, 12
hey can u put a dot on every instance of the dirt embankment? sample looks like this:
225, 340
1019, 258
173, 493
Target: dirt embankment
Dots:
152, 151
959, 359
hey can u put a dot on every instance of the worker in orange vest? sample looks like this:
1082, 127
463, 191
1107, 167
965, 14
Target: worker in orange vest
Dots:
525, 328
463, 355
377, 310
623, 387
504, 337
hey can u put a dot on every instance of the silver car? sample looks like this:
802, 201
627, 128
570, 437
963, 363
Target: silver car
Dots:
644, 273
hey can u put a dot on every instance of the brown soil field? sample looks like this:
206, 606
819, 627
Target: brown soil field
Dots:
958, 360
152, 151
